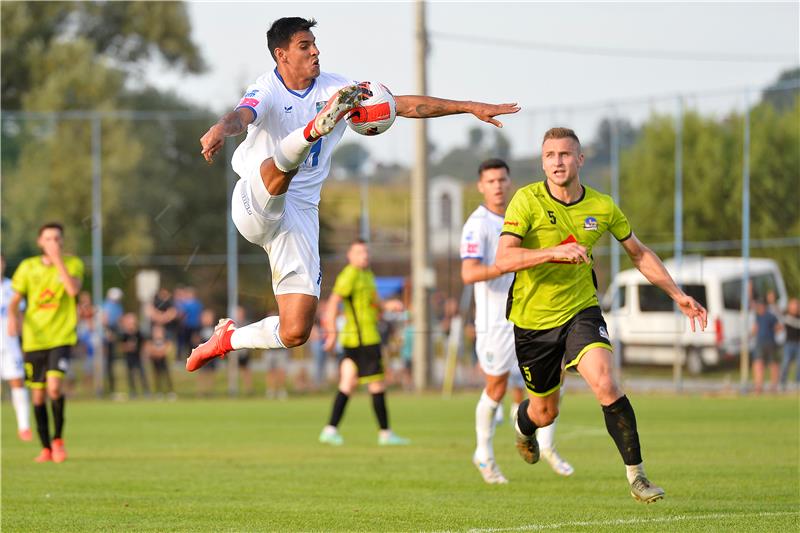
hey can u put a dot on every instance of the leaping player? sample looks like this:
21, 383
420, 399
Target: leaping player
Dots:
292, 115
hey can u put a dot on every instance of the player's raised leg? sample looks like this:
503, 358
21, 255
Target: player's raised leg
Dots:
596, 368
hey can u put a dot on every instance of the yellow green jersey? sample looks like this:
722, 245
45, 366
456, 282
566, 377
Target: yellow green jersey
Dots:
548, 295
357, 289
50, 314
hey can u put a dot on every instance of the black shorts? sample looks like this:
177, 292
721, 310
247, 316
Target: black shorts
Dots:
368, 360
243, 358
543, 353
42, 363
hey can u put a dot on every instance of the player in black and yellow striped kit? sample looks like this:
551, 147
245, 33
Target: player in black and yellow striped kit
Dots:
548, 233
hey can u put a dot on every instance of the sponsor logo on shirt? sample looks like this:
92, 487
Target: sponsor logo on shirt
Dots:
249, 102
510, 223
590, 224
46, 298
250, 94
472, 248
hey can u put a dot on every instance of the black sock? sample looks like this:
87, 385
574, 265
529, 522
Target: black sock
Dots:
621, 425
379, 405
526, 425
58, 415
42, 424
338, 408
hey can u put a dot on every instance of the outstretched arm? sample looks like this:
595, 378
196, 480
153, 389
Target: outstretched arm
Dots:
653, 269
232, 123
411, 106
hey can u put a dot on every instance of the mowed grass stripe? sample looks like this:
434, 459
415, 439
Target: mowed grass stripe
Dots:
254, 465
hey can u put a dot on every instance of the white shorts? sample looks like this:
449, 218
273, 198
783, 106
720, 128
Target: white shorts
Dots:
11, 361
289, 235
495, 349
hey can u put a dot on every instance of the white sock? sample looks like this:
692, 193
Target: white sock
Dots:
292, 151
512, 412
330, 430
634, 470
21, 401
484, 426
262, 334
545, 436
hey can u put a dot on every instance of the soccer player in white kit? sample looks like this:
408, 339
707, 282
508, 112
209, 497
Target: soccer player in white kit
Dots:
494, 342
11, 363
292, 116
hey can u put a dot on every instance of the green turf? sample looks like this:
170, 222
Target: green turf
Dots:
727, 464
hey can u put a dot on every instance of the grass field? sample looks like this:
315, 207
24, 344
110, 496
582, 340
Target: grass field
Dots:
727, 464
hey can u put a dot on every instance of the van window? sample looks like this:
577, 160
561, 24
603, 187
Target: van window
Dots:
732, 290
608, 302
653, 300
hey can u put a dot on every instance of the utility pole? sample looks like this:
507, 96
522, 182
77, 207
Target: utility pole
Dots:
420, 270
232, 262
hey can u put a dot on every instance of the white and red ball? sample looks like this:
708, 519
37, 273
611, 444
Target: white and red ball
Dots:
376, 113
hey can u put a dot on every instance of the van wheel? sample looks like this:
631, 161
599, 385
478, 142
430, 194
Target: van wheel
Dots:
694, 361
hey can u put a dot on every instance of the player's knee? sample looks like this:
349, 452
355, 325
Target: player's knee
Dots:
294, 335
542, 416
496, 390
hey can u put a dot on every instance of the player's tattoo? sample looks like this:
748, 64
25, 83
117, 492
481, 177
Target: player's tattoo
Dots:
232, 124
434, 109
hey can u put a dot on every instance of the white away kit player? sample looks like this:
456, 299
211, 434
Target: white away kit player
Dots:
293, 118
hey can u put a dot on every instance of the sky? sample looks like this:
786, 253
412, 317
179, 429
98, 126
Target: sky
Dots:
566, 64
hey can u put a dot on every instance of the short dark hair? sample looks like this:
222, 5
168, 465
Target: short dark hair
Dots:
492, 163
51, 225
280, 33
561, 133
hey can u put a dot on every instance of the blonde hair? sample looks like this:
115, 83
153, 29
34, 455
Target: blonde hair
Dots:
561, 133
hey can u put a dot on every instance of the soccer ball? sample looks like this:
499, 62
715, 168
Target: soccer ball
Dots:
374, 115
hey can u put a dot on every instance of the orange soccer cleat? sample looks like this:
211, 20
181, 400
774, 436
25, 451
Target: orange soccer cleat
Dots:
59, 452
217, 346
45, 456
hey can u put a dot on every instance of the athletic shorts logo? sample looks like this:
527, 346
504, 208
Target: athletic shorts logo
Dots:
590, 224
246, 202
604, 333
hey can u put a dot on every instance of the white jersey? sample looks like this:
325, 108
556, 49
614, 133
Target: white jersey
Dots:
279, 111
479, 240
10, 350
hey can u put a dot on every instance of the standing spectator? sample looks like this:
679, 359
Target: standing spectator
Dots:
11, 364
189, 309
317, 345
791, 349
163, 312
157, 348
49, 282
130, 341
112, 313
277, 360
243, 356
765, 331
205, 380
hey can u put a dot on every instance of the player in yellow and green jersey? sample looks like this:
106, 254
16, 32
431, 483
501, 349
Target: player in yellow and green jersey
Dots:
355, 288
49, 284
548, 233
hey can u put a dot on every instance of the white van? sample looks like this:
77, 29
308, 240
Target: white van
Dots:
648, 329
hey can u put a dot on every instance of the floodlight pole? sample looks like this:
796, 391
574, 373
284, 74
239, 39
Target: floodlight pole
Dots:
97, 255
420, 270
232, 265
615, 303
680, 353
744, 349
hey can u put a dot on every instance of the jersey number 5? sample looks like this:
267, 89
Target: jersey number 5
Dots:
552, 217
